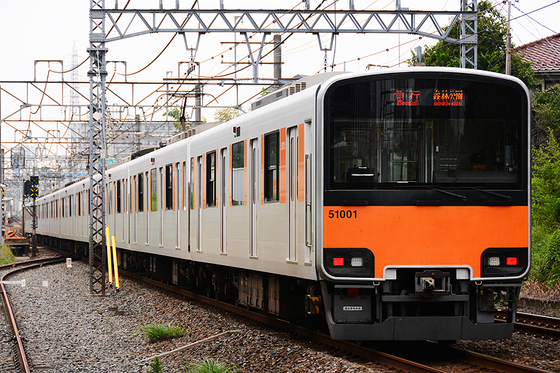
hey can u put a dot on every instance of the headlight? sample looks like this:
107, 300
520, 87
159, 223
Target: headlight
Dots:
503, 262
348, 262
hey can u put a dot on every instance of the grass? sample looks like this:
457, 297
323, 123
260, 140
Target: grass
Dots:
6, 255
156, 366
210, 366
158, 332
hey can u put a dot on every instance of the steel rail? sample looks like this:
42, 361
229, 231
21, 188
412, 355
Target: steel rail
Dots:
378, 357
540, 325
499, 365
23, 361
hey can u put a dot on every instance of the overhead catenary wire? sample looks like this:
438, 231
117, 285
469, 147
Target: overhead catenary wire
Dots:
170, 100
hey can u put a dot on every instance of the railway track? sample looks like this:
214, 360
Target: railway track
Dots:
456, 360
21, 363
544, 326
538, 325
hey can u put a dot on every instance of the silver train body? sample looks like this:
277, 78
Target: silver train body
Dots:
249, 211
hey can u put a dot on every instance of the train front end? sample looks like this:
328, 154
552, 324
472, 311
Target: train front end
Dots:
425, 230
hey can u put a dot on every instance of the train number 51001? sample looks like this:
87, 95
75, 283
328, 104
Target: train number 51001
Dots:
343, 214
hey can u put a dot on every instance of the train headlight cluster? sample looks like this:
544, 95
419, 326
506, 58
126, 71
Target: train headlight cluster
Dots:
349, 262
499, 262
357, 261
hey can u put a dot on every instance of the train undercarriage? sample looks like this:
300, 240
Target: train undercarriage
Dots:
418, 305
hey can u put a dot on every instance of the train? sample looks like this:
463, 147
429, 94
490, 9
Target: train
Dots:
391, 205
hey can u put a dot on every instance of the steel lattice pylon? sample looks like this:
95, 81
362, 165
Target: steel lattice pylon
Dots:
469, 34
98, 148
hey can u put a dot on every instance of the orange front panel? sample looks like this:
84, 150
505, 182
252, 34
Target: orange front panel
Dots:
425, 236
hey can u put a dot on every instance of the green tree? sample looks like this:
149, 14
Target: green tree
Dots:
546, 115
179, 124
226, 114
492, 32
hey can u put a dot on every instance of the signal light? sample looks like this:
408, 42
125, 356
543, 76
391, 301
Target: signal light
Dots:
338, 262
494, 261
511, 261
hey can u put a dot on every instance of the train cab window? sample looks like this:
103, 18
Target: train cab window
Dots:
119, 197
404, 131
211, 179
237, 173
169, 187
271, 180
140, 192
153, 190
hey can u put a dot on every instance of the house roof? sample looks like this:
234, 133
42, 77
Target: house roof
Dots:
544, 53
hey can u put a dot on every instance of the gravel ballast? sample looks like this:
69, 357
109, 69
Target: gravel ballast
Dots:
68, 330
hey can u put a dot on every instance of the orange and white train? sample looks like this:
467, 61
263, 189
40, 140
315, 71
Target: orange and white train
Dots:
394, 204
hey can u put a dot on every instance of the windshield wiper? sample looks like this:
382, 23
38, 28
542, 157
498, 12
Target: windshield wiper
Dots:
462, 197
508, 198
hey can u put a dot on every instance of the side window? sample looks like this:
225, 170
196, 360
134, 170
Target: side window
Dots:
185, 184
140, 192
119, 197
153, 189
271, 181
211, 179
238, 173
169, 187
111, 201
191, 185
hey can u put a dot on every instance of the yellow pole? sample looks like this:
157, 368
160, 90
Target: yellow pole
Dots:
109, 263
115, 263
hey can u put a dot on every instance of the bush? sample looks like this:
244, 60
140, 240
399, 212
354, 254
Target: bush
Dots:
210, 366
6, 255
157, 332
546, 212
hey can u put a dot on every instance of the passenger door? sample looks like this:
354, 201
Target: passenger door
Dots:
292, 191
254, 182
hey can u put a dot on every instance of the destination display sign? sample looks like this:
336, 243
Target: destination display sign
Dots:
428, 97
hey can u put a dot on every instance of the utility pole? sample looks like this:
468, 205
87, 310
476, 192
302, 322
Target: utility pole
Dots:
508, 42
34, 181
277, 60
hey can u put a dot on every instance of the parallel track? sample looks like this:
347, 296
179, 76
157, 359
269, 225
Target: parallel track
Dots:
23, 361
539, 325
481, 363
543, 326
